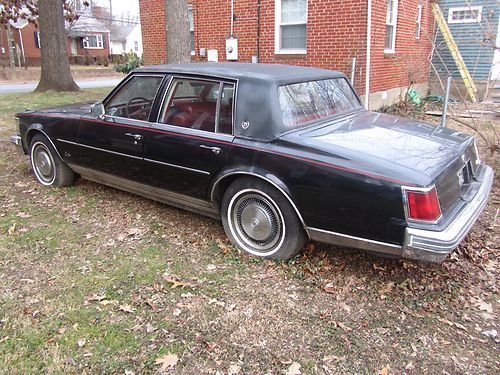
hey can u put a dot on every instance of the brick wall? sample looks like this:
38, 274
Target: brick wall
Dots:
152, 13
336, 33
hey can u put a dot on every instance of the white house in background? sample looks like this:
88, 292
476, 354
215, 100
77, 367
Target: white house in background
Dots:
124, 38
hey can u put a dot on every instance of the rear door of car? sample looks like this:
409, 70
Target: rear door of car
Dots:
191, 139
114, 143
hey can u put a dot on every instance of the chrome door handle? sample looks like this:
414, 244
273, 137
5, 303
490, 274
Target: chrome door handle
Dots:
137, 137
215, 150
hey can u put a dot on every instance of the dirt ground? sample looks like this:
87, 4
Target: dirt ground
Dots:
95, 280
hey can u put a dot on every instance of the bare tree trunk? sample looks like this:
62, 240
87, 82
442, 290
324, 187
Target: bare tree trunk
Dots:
178, 49
56, 74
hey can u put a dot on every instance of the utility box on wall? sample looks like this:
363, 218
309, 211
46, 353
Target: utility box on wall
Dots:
231, 49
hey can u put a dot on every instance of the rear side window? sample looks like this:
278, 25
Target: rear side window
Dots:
199, 104
314, 100
135, 99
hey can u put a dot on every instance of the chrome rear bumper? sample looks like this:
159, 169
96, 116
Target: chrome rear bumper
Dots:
434, 246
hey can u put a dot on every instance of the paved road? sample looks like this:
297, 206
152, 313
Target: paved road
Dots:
6, 88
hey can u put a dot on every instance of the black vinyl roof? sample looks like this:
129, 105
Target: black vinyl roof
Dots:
271, 73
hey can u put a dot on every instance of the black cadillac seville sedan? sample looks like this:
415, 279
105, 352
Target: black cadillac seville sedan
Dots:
281, 154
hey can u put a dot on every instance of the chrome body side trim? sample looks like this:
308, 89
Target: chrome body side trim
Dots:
270, 182
174, 199
177, 166
434, 246
340, 239
66, 141
109, 151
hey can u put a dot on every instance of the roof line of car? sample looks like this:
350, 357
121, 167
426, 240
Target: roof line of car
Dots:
312, 161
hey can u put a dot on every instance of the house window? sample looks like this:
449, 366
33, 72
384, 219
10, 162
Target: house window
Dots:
93, 42
36, 35
465, 14
136, 46
291, 26
191, 30
419, 21
391, 20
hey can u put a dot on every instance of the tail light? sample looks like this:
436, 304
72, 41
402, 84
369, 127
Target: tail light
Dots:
423, 205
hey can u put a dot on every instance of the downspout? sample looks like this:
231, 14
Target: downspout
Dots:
368, 54
258, 30
22, 46
232, 17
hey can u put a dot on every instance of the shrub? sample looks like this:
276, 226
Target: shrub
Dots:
131, 62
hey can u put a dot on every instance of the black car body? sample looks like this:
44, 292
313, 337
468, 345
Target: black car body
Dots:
281, 153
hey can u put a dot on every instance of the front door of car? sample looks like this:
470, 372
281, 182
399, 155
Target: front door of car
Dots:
192, 138
114, 143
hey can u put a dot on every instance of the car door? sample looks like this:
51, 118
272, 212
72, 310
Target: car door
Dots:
191, 140
114, 143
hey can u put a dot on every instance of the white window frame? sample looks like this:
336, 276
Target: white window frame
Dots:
419, 21
191, 30
394, 24
277, 32
452, 10
99, 41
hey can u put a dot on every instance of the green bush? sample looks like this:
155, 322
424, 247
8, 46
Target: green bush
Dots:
132, 62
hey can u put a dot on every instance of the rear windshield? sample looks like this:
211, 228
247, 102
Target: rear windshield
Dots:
313, 100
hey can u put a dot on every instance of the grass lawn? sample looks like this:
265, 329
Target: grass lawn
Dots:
94, 280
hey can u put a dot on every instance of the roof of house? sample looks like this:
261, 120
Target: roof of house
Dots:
271, 73
85, 25
120, 32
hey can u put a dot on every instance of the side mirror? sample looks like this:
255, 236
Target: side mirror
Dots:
97, 109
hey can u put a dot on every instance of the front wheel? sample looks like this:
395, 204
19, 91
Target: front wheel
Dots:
259, 220
48, 167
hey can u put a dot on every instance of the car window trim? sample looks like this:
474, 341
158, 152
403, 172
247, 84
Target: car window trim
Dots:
189, 132
124, 82
220, 80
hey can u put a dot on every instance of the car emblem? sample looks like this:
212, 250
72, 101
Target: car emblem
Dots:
245, 124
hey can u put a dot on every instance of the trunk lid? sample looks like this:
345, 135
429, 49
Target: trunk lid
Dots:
438, 155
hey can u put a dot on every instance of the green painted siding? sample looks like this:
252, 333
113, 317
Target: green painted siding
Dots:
475, 41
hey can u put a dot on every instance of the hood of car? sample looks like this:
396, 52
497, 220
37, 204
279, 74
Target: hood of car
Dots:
382, 140
77, 109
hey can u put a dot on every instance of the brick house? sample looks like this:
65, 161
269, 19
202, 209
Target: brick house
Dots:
85, 37
323, 33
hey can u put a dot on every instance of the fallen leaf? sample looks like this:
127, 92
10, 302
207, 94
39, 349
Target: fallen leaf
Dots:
484, 306
344, 327
126, 308
175, 281
294, 369
384, 371
211, 267
177, 312
128, 372
333, 358
329, 288
81, 343
12, 229
167, 361
233, 370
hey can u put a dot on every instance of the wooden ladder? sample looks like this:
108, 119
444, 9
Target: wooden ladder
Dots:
452, 46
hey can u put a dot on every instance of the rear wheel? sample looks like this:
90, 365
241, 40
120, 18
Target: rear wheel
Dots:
48, 167
259, 220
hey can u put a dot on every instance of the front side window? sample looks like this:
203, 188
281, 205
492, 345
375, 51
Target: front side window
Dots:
391, 20
93, 42
470, 14
291, 26
199, 104
315, 100
135, 99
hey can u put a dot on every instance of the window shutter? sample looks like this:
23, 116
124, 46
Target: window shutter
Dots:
37, 41
81, 43
104, 37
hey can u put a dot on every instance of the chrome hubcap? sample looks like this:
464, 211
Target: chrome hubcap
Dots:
257, 223
43, 163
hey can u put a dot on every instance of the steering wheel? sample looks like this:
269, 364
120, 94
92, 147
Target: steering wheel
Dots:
137, 99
